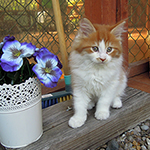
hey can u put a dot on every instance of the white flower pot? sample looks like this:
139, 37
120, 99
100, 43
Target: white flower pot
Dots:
20, 113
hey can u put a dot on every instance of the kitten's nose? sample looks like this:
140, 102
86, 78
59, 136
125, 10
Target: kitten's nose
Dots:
102, 59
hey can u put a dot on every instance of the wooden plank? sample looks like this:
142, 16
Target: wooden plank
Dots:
60, 87
58, 135
141, 82
49, 121
147, 15
138, 67
121, 14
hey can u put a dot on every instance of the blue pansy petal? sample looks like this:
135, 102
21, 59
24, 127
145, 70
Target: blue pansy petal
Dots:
37, 69
8, 57
48, 83
41, 62
37, 49
40, 52
11, 66
19, 64
11, 44
27, 48
50, 58
6, 67
58, 72
8, 38
47, 59
54, 61
55, 74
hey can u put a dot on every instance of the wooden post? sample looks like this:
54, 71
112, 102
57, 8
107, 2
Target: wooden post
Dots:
109, 12
60, 30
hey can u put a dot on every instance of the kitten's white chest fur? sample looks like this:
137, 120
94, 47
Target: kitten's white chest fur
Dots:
92, 77
97, 75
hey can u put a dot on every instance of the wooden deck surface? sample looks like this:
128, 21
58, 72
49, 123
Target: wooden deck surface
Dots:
59, 136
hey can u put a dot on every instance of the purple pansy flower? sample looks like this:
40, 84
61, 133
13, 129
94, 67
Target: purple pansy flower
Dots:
13, 53
6, 38
43, 51
39, 52
47, 70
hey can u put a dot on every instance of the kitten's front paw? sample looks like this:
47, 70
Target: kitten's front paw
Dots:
117, 103
101, 115
76, 122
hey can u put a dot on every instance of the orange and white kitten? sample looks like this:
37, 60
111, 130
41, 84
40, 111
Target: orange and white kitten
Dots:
96, 70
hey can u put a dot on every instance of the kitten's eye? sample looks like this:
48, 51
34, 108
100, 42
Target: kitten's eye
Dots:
109, 49
95, 49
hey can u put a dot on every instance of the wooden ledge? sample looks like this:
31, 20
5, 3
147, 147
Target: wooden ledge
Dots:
59, 136
138, 67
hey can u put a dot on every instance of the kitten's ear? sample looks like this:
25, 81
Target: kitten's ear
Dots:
118, 29
86, 27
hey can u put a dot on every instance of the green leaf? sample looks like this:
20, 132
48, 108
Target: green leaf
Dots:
10, 75
14, 77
